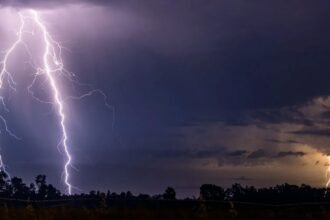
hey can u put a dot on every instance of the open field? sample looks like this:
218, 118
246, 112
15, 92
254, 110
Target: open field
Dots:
161, 210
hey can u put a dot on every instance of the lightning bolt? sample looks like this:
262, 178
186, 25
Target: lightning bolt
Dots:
52, 66
51, 57
3, 167
328, 174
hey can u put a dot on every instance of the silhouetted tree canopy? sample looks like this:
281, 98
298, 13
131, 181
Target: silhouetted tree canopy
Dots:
212, 192
285, 193
169, 194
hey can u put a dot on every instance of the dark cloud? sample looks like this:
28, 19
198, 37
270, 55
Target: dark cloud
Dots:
195, 63
236, 153
216, 37
261, 154
206, 153
257, 154
218, 152
223, 156
258, 157
313, 132
187, 63
283, 141
167, 153
326, 115
284, 115
290, 153
170, 154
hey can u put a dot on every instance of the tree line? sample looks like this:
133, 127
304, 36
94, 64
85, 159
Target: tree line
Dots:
15, 188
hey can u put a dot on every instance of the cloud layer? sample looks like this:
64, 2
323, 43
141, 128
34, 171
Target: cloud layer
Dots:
207, 87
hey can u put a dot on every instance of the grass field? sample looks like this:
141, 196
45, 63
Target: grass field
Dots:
166, 211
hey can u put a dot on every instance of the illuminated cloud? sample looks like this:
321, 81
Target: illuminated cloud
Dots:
197, 82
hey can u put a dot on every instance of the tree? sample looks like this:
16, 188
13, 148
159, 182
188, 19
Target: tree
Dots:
52, 192
44, 190
143, 197
19, 188
129, 195
32, 190
169, 194
41, 186
4, 184
211, 192
237, 192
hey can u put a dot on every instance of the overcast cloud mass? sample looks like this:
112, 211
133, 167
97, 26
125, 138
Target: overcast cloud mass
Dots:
204, 91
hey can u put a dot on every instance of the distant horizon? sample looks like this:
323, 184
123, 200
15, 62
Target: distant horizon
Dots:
142, 95
179, 193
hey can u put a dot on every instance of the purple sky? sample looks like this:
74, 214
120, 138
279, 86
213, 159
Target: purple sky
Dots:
205, 92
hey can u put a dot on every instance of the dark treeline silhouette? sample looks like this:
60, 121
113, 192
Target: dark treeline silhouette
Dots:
279, 194
15, 188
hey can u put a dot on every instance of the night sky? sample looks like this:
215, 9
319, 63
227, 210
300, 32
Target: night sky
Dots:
207, 91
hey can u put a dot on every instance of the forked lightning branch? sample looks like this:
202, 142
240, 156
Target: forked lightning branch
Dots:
51, 68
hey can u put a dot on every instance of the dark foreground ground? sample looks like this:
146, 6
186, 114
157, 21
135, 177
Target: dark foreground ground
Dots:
96, 210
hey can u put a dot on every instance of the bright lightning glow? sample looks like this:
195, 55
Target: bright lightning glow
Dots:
328, 174
50, 57
3, 167
52, 66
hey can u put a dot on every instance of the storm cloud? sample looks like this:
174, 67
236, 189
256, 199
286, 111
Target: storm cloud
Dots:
192, 82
